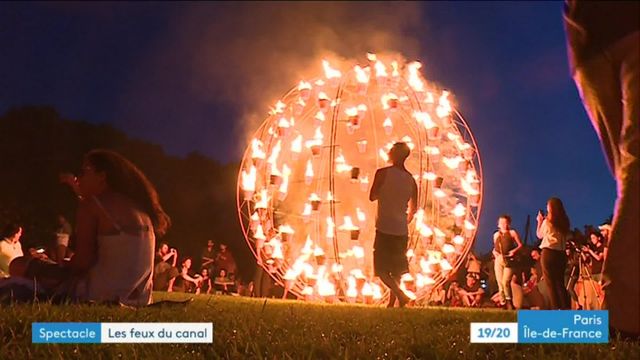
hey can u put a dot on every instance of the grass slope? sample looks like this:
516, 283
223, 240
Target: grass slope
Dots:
276, 329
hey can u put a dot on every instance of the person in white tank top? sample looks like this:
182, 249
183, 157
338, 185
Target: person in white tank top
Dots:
396, 192
118, 217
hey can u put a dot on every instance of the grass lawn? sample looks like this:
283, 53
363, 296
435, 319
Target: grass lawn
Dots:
276, 329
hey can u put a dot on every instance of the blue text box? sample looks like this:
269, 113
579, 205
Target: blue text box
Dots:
65, 333
563, 326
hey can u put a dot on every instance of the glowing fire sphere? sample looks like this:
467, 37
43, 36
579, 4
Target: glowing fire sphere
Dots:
303, 187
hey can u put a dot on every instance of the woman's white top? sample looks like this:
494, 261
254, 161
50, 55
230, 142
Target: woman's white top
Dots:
124, 268
551, 237
9, 250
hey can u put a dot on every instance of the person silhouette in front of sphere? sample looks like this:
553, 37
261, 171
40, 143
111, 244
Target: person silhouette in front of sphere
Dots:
395, 189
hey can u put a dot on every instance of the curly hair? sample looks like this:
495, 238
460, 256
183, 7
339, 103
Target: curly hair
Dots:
125, 178
558, 216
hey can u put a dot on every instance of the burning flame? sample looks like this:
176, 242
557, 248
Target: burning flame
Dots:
352, 291
432, 150
468, 225
259, 233
275, 152
283, 123
317, 138
309, 172
341, 164
452, 163
407, 139
286, 172
329, 72
330, 228
348, 224
384, 155
362, 75
445, 266
387, 124
429, 176
394, 66
303, 85
361, 215
263, 203
414, 76
386, 100
256, 149
459, 210
318, 251
381, 69
286, 229
444, 106
425, 231
249, 179
278, 108
448, 249
438, 232
358, 252
277, 249
307, 210
424, 118
296, 145
329, 196
306, 250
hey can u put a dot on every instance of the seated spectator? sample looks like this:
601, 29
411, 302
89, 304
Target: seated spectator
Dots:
10, 247
165, 271
532, 295
471, 293
453, 295
224, 260
205, 282
186, 281
437, 297
244, 288
118, 218
224, 284
209, 256
63, 233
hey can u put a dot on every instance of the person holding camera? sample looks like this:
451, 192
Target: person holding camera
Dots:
594, 253
165, 271
553, 230
506, 243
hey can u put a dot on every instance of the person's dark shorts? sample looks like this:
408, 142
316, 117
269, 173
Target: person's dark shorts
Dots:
389, 254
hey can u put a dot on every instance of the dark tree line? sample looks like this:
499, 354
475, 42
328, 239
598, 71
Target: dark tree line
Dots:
36, 144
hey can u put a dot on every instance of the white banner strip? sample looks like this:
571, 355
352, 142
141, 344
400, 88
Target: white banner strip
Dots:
506, 332
157, 333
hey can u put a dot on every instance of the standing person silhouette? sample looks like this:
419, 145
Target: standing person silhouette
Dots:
394, 188
604, 51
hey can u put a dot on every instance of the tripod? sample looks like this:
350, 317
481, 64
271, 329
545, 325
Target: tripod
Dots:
582, 269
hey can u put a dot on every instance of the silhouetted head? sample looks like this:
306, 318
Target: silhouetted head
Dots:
12, 231
399, 153
504, 222
107, 170
557, 216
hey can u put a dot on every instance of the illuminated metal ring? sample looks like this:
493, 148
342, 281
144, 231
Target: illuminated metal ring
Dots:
344, 92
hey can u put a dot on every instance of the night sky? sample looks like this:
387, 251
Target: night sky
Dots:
187, 76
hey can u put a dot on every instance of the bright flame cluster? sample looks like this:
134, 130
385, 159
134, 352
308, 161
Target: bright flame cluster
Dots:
303, 187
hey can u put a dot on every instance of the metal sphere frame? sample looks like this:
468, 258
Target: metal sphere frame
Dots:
342, 90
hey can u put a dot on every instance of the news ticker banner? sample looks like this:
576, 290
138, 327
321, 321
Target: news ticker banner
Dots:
546, 326
105, 333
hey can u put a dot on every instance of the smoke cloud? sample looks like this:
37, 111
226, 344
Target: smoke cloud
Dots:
247, 55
